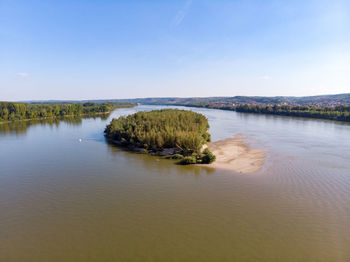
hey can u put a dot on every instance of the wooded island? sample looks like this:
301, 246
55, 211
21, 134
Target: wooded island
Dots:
177, 134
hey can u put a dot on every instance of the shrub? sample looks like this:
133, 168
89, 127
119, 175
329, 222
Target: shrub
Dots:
207, 157
188, 160
176, 156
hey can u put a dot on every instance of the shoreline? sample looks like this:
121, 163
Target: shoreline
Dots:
256, 113
234, 154
54, 117
132, 148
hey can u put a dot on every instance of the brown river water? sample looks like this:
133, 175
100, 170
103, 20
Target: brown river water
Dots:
66, 200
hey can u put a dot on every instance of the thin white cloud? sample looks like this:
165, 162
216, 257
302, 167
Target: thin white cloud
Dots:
265, 78
22, 74
180, 16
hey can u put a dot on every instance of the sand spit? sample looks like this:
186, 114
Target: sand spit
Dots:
235, 155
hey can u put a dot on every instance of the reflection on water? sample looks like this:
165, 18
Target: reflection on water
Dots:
21, 127
159, 164
65, 200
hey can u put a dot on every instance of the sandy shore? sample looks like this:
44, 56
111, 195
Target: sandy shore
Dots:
235, 155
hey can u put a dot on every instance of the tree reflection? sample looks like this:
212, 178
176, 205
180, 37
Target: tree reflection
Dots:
21, 127
156, 164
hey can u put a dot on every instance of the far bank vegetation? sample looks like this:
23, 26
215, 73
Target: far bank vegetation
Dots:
12, 111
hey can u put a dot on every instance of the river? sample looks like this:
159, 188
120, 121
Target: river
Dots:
66, 199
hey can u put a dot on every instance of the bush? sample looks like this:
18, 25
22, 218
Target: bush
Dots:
207, 157
188, 160
176, 156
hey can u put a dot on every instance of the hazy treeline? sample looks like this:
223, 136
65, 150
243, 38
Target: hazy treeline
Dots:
10, 111
338, 113
322, 100
332, 107
159, 129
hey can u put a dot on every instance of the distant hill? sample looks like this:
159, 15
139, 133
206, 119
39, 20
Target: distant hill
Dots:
322, 100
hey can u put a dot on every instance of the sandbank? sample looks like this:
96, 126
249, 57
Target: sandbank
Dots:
234, 154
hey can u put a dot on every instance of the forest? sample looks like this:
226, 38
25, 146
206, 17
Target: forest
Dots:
337, 113
156, 130
11, 111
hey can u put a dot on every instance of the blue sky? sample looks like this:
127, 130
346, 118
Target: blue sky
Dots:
92, 49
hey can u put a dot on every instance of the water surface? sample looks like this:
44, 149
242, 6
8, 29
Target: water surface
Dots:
65, 200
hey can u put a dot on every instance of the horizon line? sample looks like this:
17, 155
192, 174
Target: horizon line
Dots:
160, 97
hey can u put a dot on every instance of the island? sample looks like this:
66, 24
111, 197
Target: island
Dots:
172, 133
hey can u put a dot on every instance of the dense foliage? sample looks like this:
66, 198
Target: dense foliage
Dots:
184, 130
207, 157
188, 160
338, 113
10, 111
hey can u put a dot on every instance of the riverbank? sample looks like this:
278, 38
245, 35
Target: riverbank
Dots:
235, 155
14, 111
55, 117
340, 113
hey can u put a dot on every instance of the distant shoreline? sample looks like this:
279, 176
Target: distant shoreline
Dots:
320, 113
53, 117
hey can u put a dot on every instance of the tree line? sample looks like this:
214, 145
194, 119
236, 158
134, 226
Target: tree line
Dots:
338, 113
11, 111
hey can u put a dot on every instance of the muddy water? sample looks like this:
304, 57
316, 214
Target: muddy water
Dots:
66, 200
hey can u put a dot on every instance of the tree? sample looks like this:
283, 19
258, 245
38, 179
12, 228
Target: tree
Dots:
5, 114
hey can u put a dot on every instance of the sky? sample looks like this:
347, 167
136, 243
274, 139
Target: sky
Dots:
111, 49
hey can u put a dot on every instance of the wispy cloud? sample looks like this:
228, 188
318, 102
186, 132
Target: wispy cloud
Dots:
180, 16
265, 78
22, 74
